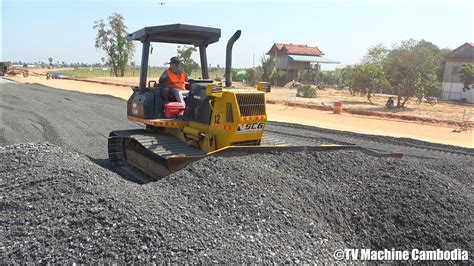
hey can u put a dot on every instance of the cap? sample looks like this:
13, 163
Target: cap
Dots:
175, 60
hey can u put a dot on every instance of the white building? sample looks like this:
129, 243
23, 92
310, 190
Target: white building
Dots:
452, 84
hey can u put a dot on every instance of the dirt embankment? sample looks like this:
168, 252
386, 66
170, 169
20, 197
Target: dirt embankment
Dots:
444, 112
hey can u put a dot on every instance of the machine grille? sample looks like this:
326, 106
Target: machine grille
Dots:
251, 104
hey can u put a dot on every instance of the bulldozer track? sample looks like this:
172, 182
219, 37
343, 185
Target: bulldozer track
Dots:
153, 154
148, 148
141, 156
119, 164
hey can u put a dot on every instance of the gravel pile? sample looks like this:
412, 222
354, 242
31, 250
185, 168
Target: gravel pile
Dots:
58, 206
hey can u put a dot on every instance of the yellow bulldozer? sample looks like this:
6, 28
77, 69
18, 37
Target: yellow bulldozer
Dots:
216, 119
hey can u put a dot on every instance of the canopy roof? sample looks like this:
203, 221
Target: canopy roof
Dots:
312, 59
177, 33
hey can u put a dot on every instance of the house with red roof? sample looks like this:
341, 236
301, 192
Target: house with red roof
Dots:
452, 84
294, 57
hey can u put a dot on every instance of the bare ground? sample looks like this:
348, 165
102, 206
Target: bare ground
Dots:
439, 133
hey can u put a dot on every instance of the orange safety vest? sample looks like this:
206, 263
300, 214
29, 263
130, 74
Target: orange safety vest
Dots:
176, 80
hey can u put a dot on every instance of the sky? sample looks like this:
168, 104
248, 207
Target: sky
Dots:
33, 31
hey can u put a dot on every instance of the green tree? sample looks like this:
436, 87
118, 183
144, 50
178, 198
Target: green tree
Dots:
185, 54
279, 77
307, 75
366, 78
268, 68
376, 55
50, 61
346, 77
254, 75
270, 73
467, 76
443, 52
438, 55
328, 78
112, 38
411, 68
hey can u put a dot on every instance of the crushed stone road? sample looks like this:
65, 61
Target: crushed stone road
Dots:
60, 203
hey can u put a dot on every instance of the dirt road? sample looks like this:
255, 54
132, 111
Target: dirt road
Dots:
354, 123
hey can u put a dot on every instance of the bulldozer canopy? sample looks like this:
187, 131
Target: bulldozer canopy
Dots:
177, 33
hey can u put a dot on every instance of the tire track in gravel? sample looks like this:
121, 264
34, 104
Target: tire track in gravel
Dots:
78, 121
35, 124
49, 131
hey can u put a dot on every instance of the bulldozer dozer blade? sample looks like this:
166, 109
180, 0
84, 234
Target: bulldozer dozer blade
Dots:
235, 150
159, 155
177, 163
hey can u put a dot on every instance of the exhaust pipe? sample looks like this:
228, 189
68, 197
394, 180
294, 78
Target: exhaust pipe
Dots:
228, 58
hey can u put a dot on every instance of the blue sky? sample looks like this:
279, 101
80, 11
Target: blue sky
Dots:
343, 30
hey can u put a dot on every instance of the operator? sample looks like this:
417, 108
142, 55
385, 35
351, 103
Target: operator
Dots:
175, 79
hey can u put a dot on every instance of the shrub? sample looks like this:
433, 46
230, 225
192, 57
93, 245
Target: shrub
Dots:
254, 75
306, 92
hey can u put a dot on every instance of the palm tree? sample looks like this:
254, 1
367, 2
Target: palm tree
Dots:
50, 61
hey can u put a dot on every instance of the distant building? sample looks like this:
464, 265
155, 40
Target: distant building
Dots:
294, 57
452, 84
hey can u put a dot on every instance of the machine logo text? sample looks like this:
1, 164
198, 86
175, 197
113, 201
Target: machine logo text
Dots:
250, 128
